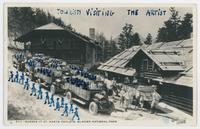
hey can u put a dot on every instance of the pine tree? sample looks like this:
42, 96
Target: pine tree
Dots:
125, 39
99, 37
114, 49
128, 38
186, 28
148, 39
136, 39
121, 42
170, 30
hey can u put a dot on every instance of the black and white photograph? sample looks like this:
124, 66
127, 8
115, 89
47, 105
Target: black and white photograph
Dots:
102, 64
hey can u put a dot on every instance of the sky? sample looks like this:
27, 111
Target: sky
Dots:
111, 26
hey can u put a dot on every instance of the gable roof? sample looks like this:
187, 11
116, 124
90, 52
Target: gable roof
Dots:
50, 26
169, 56
167, 62
54, 27
117, 63
121, 59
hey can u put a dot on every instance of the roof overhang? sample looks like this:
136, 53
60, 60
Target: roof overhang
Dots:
52, 28
118, 70
174, 68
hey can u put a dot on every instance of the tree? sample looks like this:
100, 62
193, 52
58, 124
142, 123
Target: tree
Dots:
69, 27
99, 37
127, 38
49, 17
136, 39
24, 19
40, 18
174, 28
148, 39
20, 21
162, 35
121, 42
114, 49
170, 30
186, 28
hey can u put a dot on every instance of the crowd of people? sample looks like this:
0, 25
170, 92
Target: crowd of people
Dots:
78, 82
137, 99
132, 98
31, 62
84, 79
127, 99
68, 107
54, 64
19, 56
44, 70
82, 72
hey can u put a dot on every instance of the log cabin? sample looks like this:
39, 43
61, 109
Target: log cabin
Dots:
55, 41
168, 65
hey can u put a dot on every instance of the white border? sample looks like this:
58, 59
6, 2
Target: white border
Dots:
96, 1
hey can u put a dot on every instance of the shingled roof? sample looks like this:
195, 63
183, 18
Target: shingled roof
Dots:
169, 56
117, 63
166, 60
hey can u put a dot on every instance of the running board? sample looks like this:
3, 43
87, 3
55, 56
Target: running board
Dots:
79, 101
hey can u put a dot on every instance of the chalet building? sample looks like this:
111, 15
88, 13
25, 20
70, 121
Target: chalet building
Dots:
61, 43
169, 65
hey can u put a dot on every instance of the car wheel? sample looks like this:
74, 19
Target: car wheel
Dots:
93, 108
111, 109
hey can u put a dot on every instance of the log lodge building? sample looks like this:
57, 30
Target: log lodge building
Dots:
168, 65
55, 41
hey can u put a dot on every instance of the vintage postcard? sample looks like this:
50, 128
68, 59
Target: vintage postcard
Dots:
100, 64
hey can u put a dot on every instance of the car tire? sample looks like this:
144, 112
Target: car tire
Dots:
93, 108
111, 109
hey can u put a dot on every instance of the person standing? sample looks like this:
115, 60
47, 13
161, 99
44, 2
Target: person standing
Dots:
135, 102
52, 101
76, 114
57, 105
71, 108
153, 103
33, 90
39, 92
122, 98
21, 78
11, 76
62, 101
141, 102
65, 110
127, 101
16, 77
26, 84
47, 98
